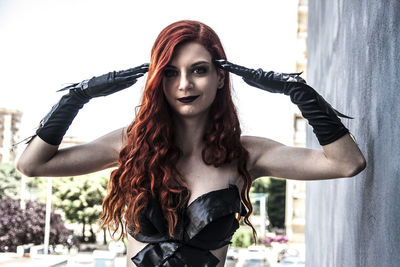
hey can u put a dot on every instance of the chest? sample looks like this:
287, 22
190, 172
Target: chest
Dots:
203, 178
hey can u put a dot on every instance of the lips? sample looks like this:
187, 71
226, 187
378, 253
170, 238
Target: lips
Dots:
188, 99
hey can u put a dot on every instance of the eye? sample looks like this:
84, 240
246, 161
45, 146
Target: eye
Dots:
170, 73
200, 70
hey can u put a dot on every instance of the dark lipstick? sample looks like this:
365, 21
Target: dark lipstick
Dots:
188, 99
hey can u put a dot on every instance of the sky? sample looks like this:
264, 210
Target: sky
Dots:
48, 44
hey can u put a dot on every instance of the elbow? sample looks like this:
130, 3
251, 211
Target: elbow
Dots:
356, 167
25, 169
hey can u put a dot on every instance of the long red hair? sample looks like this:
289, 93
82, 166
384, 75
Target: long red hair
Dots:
147, 163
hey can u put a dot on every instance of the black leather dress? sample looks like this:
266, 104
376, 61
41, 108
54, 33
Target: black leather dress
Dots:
208, 223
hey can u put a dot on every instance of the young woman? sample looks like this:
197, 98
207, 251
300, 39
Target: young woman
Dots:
183, 170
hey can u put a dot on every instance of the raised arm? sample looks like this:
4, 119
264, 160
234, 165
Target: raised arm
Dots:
42, 156
340, 155
43, 159
341, 158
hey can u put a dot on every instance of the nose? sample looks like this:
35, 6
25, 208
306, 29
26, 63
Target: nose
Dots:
185, 82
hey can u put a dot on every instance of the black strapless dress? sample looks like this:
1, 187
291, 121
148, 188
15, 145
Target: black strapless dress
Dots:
208, 223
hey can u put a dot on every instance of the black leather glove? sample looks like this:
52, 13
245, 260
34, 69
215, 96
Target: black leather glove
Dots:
55, 124
319, 113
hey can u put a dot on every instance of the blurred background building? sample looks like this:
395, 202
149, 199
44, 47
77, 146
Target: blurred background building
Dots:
9, 133
296, 190
70, 141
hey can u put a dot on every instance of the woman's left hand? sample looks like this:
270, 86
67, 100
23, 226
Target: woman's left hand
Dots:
270, 81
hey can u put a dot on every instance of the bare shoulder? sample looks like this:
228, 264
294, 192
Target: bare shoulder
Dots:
256, 145
254, 142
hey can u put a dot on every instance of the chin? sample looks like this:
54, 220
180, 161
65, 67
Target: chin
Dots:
191, 113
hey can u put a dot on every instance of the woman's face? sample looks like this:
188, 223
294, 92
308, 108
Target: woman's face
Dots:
190, 80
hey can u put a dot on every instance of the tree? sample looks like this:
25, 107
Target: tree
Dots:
242, 238
276, 202
260, 185
276, 191
18, 227
80, 198
10, 181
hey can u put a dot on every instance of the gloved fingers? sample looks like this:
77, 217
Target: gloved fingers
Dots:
128, 76
128, 79
226, 65
126, 84
105, 91
235, 69
263, 87
222, 63
129, 72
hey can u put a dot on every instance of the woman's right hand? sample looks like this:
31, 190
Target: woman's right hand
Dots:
109, 83
42, 156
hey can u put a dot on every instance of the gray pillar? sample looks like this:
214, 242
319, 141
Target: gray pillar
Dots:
354, 62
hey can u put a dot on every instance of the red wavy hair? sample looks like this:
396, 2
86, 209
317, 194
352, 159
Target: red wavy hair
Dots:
147, 163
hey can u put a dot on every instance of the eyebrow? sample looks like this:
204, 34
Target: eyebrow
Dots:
193, 65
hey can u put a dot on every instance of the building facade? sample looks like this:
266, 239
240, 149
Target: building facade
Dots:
296, 190
9, 133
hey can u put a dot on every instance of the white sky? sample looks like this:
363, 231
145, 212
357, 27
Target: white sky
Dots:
45, 44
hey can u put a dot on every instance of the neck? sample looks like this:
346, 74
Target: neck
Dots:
189, 134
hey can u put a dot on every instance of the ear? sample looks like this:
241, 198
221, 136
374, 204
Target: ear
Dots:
221, 77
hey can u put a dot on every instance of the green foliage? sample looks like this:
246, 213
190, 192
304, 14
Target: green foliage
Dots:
275, 188
260, 185
10, 181
276, 202
242, 238
81, 197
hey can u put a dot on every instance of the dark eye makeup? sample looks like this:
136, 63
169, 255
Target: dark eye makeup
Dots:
170, 73
200, 70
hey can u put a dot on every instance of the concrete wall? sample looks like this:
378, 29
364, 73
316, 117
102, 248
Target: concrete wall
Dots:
354, 62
